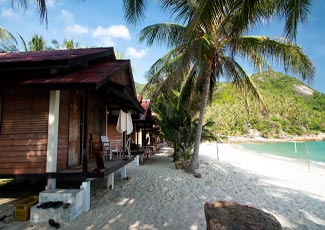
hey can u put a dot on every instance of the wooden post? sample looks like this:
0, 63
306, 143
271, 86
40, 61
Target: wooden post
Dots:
52, 137
217, 152
111, 180
85, 132
123, 172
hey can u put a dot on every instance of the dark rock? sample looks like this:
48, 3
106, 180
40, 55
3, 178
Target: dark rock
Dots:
197, 175
226, 215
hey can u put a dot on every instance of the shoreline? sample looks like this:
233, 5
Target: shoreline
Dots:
238, 152
311, 161
259, 139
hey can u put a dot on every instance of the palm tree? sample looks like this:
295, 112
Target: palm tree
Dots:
119, 55
207, 49
67, 44
37, 43
7, 41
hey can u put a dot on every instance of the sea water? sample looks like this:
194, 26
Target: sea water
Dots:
313, 151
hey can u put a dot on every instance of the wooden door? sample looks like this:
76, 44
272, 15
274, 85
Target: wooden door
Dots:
75, 130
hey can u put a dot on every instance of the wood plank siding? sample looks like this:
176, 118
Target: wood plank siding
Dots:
23, 134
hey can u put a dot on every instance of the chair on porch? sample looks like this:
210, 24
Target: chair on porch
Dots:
115, 151
106, 147
128, 148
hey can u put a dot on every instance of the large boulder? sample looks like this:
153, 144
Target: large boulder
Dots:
227, 215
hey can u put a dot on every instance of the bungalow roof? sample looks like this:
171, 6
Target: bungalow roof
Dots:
92, 77
53, 58
93, 68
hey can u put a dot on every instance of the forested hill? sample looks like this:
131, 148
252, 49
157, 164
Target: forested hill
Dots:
292, 108
139, 87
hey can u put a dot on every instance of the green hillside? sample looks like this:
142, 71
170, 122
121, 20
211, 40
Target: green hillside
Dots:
292, 108
139, 87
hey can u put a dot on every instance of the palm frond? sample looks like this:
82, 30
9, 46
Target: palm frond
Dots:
181, 9
162, 74
294, 12
41, 7
134, 10
233, 71
22, 40
290, 56
188, 89
207, 13
163, 33
7, 41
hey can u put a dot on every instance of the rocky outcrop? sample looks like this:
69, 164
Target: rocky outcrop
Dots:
227, 215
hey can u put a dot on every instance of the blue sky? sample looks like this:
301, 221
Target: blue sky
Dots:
101, 23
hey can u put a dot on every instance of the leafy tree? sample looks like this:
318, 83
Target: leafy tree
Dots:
177, 125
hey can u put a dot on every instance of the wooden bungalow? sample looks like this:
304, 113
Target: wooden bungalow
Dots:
147, 131
53, 104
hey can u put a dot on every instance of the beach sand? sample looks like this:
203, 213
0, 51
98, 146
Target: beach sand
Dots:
157, 196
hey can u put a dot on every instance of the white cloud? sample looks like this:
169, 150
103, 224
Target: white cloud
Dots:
133, 53
100, 31
50, 3
107, 42
119, 31
67, 16
115, 31
8, 13
76, 29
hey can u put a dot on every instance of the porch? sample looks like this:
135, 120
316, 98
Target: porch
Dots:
78, 172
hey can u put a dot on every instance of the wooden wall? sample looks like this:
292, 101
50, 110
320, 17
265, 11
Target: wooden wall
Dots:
24, 127
23, 134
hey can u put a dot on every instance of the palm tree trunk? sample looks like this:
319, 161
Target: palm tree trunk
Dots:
195, 157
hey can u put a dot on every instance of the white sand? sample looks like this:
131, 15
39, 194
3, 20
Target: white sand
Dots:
160, 197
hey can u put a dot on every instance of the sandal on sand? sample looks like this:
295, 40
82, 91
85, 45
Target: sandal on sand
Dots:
54, 224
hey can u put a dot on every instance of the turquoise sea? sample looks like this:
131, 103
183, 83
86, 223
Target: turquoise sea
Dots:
298, 150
